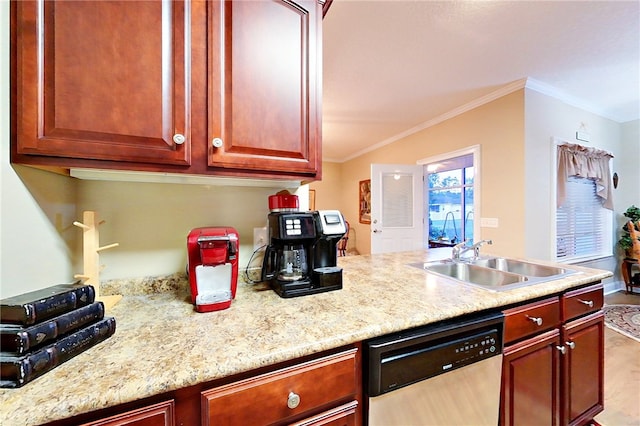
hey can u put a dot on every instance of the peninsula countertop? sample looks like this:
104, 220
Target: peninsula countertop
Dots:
161, 344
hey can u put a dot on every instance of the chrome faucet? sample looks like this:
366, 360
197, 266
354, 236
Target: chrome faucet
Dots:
462, 247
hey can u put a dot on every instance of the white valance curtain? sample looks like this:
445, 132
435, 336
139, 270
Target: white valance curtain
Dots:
590, 163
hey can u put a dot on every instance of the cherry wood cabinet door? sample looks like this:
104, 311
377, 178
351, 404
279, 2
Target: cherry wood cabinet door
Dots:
103, 80
583, 369
264, 86
531, 381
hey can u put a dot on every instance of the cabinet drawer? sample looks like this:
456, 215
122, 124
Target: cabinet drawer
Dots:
160, 414
582, 301
530, 319
266, 399
345, 415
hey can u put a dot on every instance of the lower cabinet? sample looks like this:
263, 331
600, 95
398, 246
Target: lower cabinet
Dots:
531, 381
319, 390
583, 369
553, 366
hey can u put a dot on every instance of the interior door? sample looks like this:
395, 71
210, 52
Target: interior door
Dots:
396, 207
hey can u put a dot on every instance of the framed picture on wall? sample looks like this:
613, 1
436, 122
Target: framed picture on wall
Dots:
365, 201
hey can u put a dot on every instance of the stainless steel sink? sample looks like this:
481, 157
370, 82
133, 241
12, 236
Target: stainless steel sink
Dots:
495, 273
520, 267
475, 274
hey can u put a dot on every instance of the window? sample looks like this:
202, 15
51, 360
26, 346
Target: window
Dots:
583, 225
450, 201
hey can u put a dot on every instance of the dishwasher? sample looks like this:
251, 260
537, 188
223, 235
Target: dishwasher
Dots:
446, 373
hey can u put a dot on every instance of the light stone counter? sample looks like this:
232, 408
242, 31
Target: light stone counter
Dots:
162, 344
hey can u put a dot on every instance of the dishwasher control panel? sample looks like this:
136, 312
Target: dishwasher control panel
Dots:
401, 359
468, 350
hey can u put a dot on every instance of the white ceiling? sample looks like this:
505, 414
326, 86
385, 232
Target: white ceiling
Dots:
393, 66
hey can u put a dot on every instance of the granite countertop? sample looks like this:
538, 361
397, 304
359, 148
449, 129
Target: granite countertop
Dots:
162, 344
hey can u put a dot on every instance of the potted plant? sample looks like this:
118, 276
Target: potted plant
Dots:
633, 213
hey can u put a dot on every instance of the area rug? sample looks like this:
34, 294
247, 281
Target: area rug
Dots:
625, 319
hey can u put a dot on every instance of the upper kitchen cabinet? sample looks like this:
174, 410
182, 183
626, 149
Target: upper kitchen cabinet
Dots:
264, 85
102, 80
218, 88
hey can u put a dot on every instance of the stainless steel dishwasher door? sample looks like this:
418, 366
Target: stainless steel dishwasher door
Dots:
443, 374
468, 396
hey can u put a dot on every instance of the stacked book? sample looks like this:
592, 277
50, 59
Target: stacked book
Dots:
42, 329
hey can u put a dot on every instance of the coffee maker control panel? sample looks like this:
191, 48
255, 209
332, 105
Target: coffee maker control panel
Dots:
293, 226
332, 222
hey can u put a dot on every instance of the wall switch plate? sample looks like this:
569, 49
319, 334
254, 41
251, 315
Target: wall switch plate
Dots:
489, 222
259, 237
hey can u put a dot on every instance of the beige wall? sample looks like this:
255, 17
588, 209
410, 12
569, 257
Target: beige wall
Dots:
330, 190
627, 165
498, 127
151, 221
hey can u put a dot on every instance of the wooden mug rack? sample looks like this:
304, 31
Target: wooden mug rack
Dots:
91, 257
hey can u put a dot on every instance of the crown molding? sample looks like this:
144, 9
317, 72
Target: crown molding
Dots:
558, 94
528, 83
504, 90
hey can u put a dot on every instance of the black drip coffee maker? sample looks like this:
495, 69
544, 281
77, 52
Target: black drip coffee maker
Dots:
301, 257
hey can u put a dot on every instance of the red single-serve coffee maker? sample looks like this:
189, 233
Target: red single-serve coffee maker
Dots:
213, 267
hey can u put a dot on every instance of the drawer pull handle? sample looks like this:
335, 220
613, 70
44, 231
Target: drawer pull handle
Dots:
589, 303
562, 349
572, 345
293, 400
536, 320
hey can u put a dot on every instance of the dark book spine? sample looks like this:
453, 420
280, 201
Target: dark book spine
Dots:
82, 316
85, 295
40, 305
17, 371
30, 313
19, 340
76, 343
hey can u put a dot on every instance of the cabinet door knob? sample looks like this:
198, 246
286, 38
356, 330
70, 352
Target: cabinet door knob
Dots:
589, 303
217, 143
377, 231
293, 400
562, 349
571, 345
536, 320
179, 139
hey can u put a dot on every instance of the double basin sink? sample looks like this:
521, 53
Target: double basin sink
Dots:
496, 273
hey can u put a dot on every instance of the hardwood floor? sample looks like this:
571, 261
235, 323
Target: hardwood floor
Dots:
621, 372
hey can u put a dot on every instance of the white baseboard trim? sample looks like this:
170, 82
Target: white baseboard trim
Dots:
613, 286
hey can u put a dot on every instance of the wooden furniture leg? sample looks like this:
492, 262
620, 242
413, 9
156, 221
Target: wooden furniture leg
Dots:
625, 268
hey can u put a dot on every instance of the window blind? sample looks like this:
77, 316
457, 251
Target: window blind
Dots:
582, 223
397, 200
